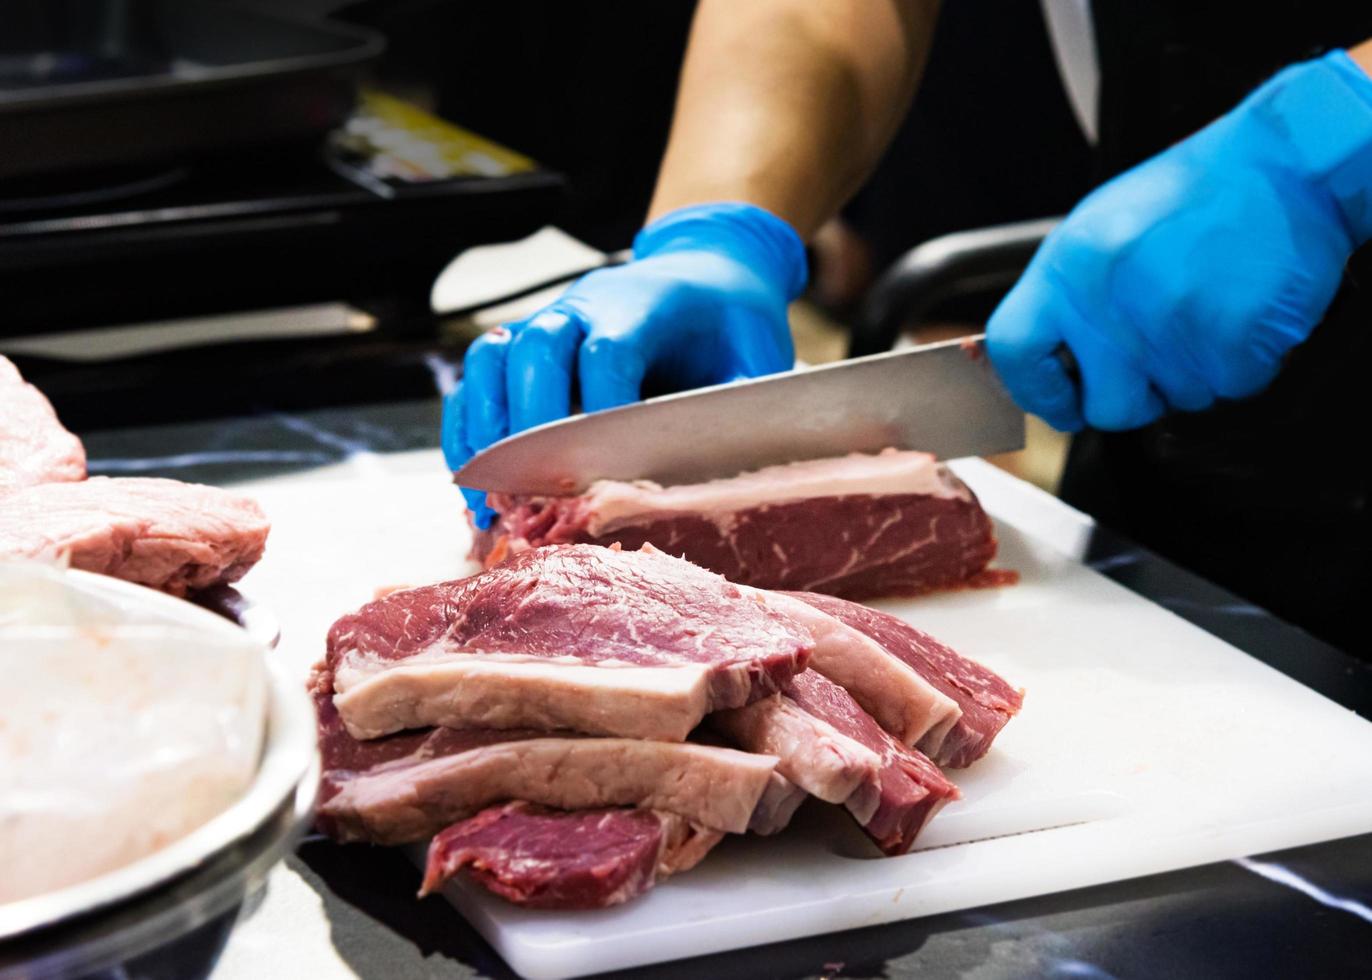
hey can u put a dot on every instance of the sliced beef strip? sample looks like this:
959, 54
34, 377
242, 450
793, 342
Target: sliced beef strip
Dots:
558, 859
984, 699
830, 747
778, 805
861, 526
636, 644
901, 698
34, 446
165, 534
408, 786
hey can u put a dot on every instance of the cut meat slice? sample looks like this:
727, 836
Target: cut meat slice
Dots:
409, 786
896, 694
34, 447
778, 805
829, 746
559, 859
894, 523
813, 754
161, 533
985, 700
607, 642
909, 790
780, 799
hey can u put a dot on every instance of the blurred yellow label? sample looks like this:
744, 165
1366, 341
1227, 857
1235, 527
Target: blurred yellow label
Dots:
405, 142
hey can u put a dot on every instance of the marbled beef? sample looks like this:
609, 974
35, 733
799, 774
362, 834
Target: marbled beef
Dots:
830, 747
984, 699
635, 644
560, 859
408, 786
894, 523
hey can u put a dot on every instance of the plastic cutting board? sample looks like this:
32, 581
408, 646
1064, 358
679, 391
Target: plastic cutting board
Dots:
1145, 744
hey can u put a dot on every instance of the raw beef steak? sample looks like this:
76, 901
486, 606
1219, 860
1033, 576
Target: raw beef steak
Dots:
829, 746
778, 805
984, 699
561, 859
897, 695
894, 523
625, 643
405, 787
34, 447
162, 533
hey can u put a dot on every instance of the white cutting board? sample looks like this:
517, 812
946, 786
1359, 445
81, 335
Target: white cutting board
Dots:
1145, 744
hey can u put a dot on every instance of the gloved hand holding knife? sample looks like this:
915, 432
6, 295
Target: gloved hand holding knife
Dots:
1183, 281
703, 302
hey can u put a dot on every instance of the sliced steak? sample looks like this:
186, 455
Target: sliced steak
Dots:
985, 700
778, 805
780, 799
624, 643
406, 787
161, 533
829, 746
894, 523
34, 447
906, 704
559, 859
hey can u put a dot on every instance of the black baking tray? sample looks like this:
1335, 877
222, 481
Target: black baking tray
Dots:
92, 84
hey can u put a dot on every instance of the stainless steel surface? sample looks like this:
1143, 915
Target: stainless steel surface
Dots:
288, 754
942, 398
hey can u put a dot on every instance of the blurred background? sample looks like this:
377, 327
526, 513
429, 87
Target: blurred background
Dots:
210, 208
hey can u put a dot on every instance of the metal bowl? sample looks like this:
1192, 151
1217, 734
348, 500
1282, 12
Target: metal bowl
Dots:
199, 879
248, 614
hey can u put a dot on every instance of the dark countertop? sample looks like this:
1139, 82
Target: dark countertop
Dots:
1300, 913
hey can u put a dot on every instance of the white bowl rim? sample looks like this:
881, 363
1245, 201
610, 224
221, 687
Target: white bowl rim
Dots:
288, 756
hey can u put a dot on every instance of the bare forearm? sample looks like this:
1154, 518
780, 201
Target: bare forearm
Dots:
1362, 54
788, 104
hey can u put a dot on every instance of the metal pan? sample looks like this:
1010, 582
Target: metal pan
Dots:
87, 84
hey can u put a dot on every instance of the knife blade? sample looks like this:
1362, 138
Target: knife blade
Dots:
942, 398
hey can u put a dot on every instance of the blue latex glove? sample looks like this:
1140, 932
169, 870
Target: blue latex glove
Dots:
703, 302
1188, 278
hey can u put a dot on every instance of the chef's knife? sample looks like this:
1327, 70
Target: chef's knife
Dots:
942, 398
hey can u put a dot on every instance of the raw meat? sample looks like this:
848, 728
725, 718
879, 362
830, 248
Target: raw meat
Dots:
778, 805
406, 787
162, 533
829, 746
985, 700
607, 642
897, 695
34, 447
559, 859
894, 523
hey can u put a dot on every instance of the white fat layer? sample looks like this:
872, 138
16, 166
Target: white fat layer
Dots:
613, 503
778, 804
358, 665
887, 688
468, 690
684, 844
814, 755
715, 787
